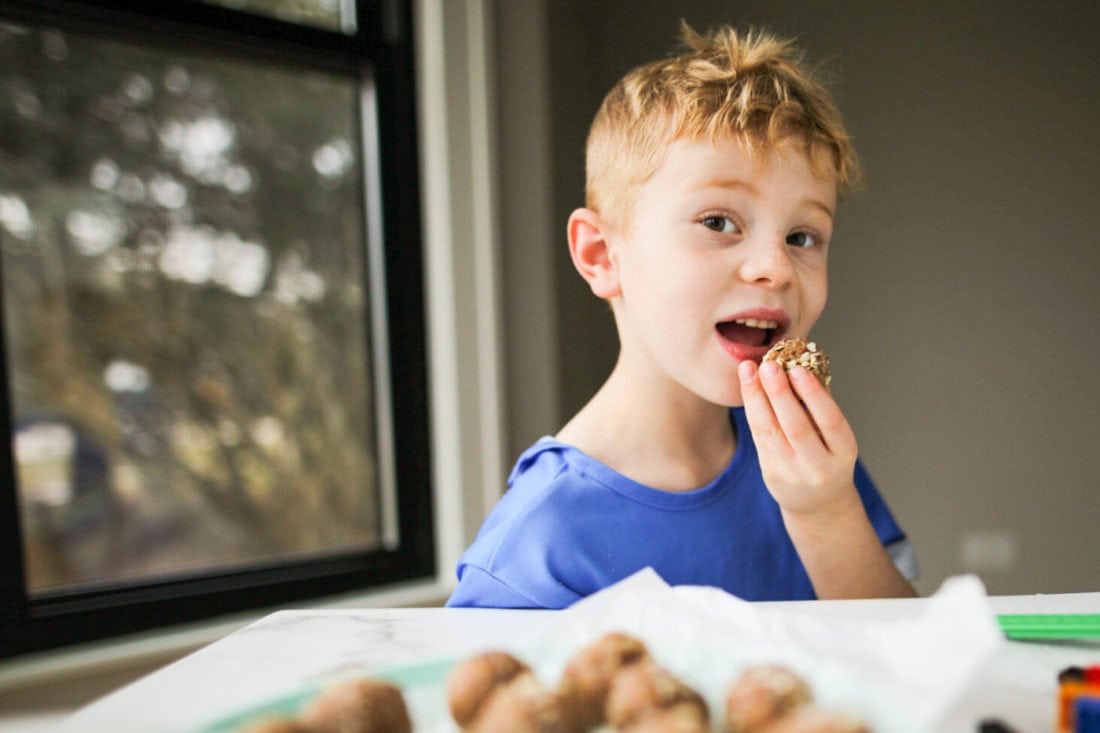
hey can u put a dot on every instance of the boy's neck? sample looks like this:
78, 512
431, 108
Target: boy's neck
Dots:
665, 438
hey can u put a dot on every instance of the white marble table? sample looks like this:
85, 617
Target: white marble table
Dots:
287, 650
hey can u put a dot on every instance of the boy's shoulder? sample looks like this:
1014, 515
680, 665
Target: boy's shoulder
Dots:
546, 457
550, 504
554, 490
551, 474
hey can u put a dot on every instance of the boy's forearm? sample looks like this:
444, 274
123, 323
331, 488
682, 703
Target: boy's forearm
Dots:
844, 557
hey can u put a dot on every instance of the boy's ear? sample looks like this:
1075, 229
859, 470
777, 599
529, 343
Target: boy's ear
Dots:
591, 252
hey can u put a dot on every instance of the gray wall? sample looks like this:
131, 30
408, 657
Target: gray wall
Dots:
963, 316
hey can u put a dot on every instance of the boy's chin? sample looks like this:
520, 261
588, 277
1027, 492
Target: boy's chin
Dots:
729, 399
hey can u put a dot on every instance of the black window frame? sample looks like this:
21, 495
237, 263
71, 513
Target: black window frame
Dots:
379, 50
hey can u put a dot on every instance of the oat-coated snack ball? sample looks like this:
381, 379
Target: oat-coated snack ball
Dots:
813, 719
358, 706
681, 718
588, 675
792, 352
645, 690
522, 705
276, 725
473, 680
761, 695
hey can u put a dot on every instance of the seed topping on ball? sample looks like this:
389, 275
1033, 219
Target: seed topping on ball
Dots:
792, 352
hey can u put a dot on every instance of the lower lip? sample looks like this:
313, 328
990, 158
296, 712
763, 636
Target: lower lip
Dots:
742, 352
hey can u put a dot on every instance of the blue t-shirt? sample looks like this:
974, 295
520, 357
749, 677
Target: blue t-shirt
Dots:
569, 526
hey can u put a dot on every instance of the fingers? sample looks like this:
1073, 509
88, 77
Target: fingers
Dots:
790, 412
793, 409
758, 409
831, 425
806, 448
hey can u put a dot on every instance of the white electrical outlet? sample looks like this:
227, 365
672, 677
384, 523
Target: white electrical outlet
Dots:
989, 551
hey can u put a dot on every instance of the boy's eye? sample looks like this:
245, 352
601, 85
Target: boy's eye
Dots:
802, 239
722, 224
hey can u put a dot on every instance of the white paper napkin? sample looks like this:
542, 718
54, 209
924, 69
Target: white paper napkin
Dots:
899, 674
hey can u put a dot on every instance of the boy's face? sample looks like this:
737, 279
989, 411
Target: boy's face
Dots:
725, 255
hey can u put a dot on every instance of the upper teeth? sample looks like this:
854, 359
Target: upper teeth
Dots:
754, 323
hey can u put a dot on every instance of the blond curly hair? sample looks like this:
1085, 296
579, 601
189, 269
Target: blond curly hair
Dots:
755, 88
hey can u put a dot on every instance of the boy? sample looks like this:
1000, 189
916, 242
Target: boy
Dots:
712, 182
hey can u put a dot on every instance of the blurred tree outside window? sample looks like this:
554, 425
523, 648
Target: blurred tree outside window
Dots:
186, 310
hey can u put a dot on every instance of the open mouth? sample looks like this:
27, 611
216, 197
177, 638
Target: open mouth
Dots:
757, 333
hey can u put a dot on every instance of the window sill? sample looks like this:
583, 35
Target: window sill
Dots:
153, 649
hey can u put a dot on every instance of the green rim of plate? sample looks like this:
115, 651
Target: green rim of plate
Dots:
406, 676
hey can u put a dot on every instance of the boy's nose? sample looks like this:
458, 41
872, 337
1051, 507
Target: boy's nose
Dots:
768, 263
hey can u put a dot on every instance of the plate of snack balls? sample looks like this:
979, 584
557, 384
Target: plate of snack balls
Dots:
614, 683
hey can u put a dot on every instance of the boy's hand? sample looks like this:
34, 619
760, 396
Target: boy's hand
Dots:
807, 456
807, 448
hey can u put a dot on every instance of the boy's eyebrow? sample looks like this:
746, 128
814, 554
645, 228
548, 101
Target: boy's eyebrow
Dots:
737, 183
819, 205
730, 183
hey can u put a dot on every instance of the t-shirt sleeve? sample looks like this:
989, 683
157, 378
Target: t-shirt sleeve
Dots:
904, 557
519, 565
525, 554
478, 589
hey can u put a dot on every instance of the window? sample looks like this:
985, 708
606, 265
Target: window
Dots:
213, 339
330, 14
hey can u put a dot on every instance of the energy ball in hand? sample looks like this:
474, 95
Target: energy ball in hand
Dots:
792, 352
